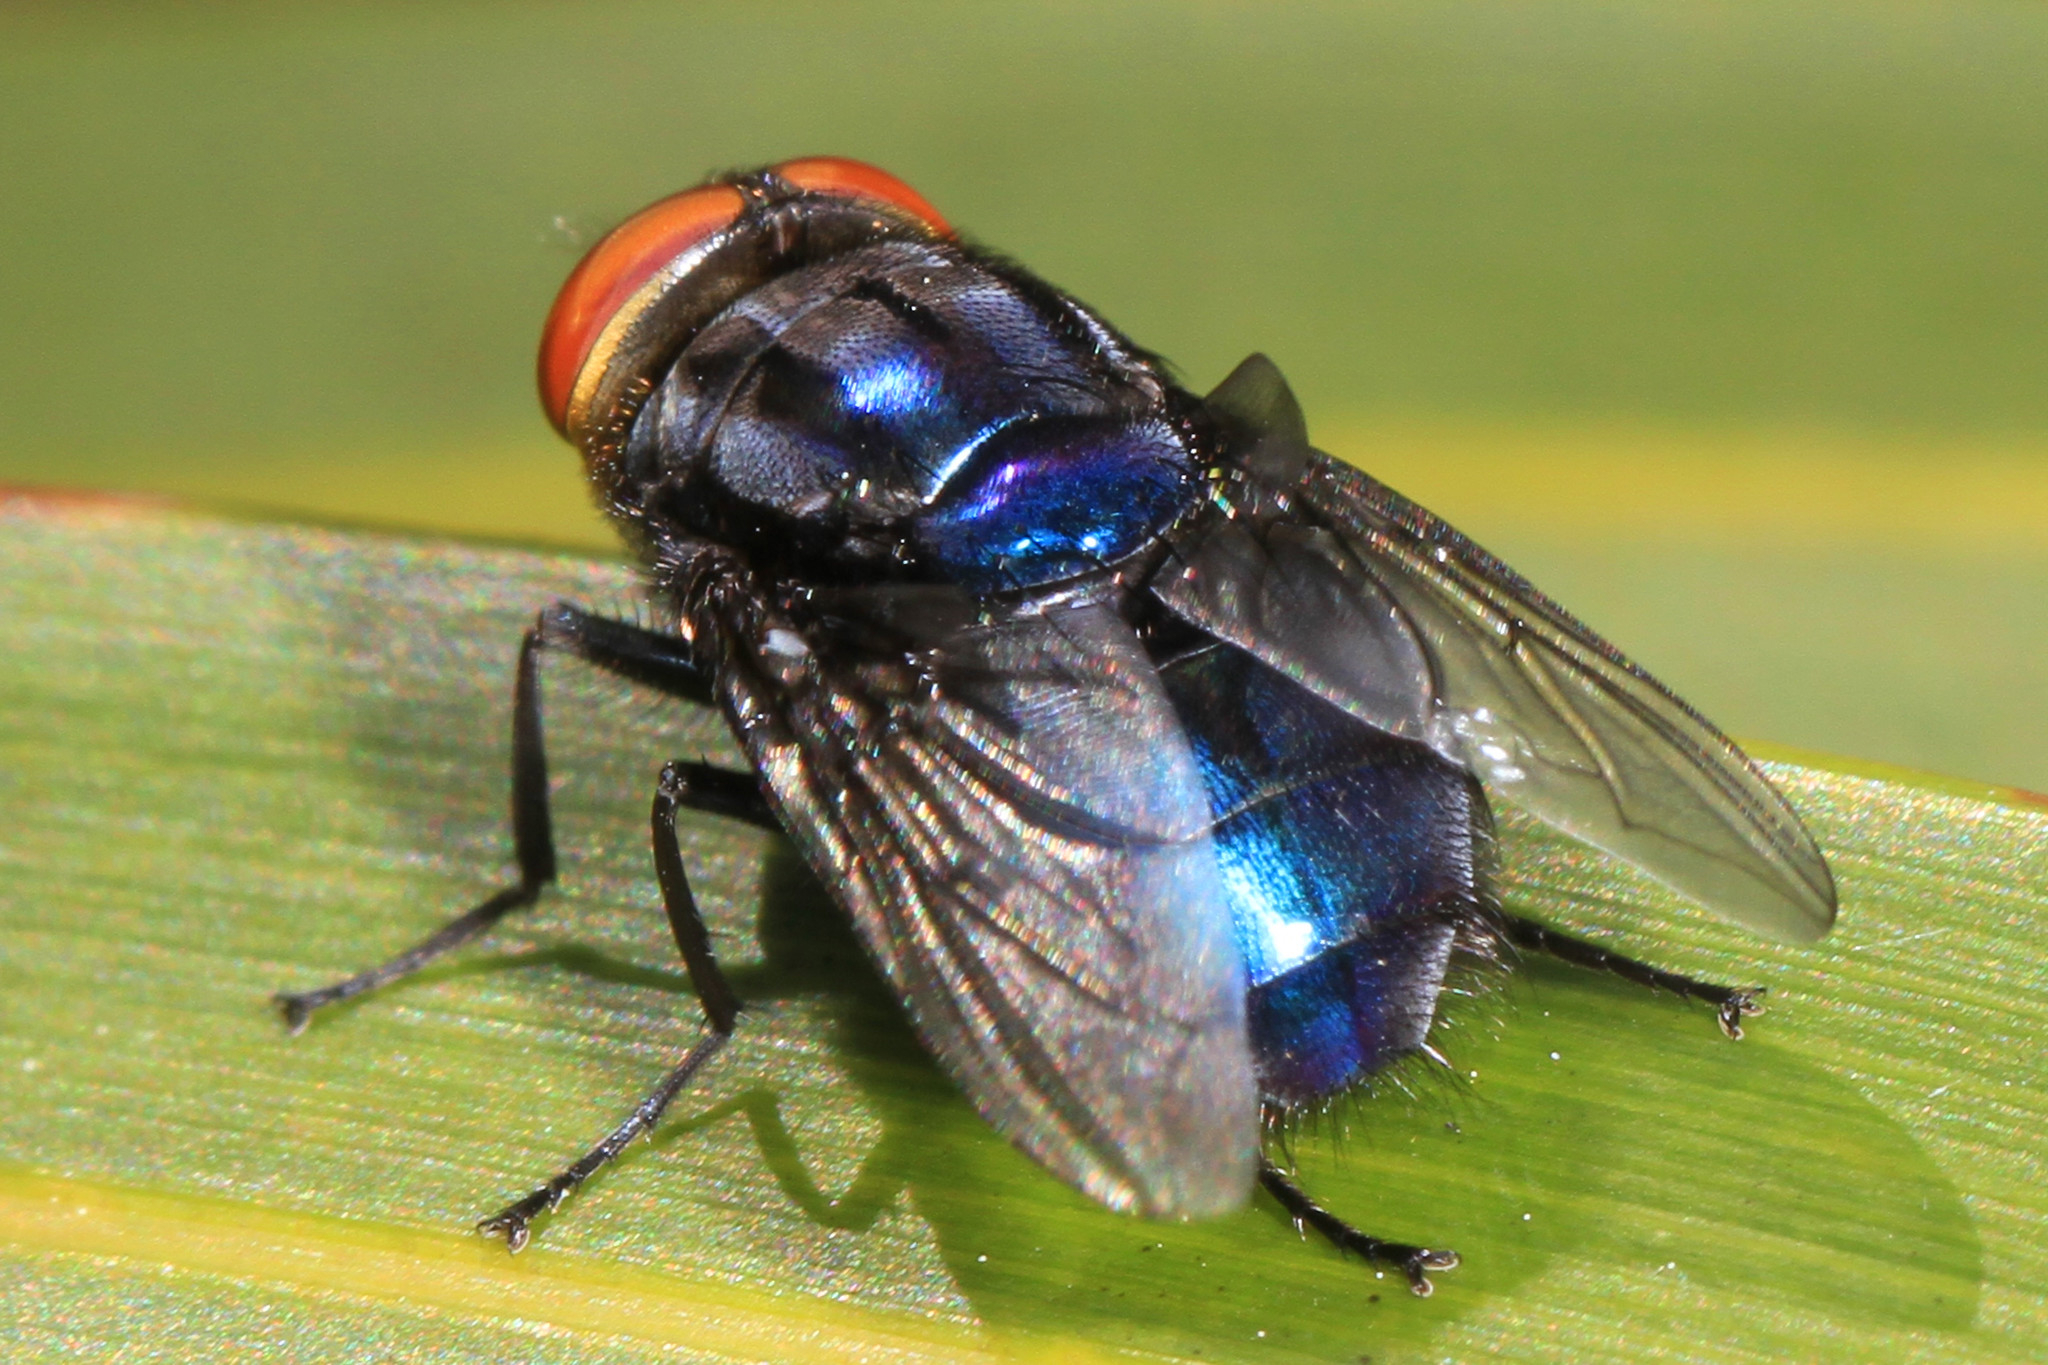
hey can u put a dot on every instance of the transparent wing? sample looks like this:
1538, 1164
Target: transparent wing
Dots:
1006, 806
1381, 608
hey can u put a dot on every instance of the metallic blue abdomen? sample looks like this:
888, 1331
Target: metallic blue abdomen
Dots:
1349, 859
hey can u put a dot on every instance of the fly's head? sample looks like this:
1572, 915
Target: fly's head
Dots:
805, 367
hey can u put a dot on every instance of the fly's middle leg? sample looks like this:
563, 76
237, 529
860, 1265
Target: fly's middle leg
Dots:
682, 786
1732, 1004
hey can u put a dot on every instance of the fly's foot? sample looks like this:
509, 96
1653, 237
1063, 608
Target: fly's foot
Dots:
515, 1222
1738, 1006
297, 1009
1416, 1263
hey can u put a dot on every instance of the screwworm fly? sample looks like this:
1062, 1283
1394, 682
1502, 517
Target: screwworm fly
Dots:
1146, 747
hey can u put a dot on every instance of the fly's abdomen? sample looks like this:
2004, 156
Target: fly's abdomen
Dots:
1351, 861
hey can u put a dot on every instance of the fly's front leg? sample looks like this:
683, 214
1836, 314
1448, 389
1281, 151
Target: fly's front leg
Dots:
533, 844
688, 786
1732, 1004
644, 656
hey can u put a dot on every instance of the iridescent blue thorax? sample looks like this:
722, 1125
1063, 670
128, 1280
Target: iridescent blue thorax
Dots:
913, 410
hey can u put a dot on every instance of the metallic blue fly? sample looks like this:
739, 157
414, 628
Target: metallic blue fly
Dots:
1146, 747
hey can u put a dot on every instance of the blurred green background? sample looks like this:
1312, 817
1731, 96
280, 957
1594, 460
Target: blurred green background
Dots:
1726, 322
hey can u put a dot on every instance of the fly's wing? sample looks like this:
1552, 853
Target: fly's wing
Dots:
1004, 802
1379, 607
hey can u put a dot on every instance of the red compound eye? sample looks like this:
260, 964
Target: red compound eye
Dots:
615, 268
632, 253
858, 180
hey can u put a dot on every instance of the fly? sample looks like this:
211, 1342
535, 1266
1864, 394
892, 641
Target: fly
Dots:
1147, 748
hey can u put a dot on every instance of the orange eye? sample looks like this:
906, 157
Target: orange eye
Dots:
632, 253
616, 267
857, 180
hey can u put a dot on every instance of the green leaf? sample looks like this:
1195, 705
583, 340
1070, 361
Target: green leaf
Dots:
239, 758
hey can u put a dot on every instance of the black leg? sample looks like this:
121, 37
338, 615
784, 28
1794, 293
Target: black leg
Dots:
721, 1011
533, 846
515, 1221
1413, 1261
720, 791
663, 662
720, 1006
1732, 1003
645, 656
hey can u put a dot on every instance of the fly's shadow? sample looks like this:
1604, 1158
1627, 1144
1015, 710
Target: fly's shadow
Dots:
1543, 1163
806, 950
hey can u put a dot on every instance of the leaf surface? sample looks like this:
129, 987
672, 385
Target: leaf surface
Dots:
235, 758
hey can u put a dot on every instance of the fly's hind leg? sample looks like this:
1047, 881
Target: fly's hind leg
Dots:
686, 786
1412, 1261
1732, 1004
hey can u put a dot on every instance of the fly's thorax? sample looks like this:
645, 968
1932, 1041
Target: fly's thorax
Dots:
910, 410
